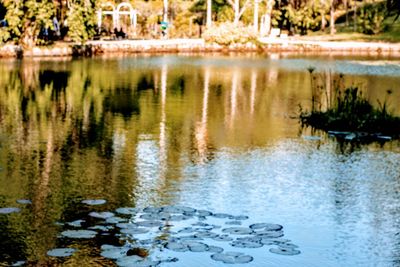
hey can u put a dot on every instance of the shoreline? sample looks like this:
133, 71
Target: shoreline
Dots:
62, 49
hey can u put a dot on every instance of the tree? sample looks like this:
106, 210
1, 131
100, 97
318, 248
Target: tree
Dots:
393, 6
26, 19
238, 9
81, 20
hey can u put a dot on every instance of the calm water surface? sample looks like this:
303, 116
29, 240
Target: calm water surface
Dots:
213, 132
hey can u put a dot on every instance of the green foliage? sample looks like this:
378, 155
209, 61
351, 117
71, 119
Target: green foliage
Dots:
227, 33
370, 19
81, 20
302, 19
299, 19
26, 18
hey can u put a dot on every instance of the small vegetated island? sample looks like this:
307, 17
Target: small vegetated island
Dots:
348, 114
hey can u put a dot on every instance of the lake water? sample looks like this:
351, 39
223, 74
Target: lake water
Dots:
213, 132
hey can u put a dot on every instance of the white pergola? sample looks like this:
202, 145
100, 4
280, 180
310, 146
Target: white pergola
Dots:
116, 12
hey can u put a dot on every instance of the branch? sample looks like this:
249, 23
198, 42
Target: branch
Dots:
231, 3
244, 7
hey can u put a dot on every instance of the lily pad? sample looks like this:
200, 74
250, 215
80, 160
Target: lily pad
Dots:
196, 246
237, 231
215, 249
178, 247
232, 258
101, 228
275, 241
134, 231
126, 225
127, 211
24, 201
178, 209
113, 252
269, 234
187, 230
246, 244
249, 239
94, 202
206, 234
136, 261
86, 234
240, 217
266, 226
204, 213
61, 252
155, 216
152, 210
77, 223
177, 218
101, 215
233, 222
9, 210
18, 263
287, 246
285, 251
221, 215
223, 238
115, 220
149, 223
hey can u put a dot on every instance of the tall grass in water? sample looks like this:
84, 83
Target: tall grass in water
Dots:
337, 108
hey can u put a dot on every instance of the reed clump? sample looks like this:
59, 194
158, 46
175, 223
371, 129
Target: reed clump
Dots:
347, 112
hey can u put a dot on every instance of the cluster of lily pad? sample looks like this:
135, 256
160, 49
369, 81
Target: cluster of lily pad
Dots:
155, 235
8, 210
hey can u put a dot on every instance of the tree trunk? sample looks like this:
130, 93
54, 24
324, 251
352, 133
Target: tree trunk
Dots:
323, 19
355, 17
28, 37
209, 7
237, 12
165, 11
332, 19
255, 16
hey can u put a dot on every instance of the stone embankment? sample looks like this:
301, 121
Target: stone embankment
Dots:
195, 45
288, 44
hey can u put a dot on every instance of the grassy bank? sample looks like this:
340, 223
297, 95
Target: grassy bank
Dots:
345, 32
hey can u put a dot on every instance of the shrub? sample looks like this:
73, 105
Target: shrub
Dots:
228, 33
370, 20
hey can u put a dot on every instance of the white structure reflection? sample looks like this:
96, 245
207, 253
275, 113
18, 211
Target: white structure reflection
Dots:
233, 97
201, 132
253, 89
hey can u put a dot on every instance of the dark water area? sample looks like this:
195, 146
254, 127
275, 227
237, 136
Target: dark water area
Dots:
204, 145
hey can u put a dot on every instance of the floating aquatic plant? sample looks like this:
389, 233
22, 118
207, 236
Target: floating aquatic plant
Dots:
77, 223
86, 234
61, 252
24, 201
94, 202
232, 257
180, 229
9, 210
101, 215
